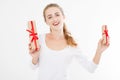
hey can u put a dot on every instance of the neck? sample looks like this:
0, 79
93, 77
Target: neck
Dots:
57, 34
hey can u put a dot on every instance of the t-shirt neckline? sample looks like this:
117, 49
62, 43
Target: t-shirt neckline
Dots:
53, 49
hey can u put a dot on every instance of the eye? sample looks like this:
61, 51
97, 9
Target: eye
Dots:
57, 14
49, 17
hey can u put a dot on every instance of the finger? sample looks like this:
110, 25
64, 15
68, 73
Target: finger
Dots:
108, 43
104, 26
31, 51
30, 47
101, 40
38, 49
29, 44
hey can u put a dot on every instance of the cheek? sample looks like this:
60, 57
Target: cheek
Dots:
47, 21
62, 19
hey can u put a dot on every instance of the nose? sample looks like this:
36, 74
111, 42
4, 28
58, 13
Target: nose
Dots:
54, 18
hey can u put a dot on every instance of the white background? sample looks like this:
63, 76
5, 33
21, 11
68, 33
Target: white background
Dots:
84, 19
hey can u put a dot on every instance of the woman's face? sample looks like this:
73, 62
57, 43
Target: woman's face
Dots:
54, 18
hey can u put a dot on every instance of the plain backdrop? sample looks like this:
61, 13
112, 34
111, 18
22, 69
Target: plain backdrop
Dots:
84, 19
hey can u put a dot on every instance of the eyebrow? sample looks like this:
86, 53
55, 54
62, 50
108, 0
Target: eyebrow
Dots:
48, 15
57, 12
51, 14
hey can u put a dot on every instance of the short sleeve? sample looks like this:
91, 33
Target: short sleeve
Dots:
89, 65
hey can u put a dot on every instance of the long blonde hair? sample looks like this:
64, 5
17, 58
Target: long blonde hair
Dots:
69, 39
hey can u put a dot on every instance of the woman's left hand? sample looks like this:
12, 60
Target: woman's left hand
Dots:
101, 46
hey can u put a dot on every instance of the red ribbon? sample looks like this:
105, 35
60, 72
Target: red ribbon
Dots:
106, 34
34, 35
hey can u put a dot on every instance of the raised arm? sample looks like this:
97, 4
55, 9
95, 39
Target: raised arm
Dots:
34, 54
103, 44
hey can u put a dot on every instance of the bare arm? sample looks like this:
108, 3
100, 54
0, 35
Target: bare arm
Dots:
103, 44
100, 49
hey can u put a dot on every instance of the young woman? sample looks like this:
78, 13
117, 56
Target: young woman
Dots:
58, 48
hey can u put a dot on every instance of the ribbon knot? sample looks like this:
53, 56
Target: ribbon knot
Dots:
106, 33
33, 34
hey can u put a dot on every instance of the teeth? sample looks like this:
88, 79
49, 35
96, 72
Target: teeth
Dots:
55, 24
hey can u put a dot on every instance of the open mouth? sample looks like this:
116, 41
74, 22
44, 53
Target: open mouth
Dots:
56, 23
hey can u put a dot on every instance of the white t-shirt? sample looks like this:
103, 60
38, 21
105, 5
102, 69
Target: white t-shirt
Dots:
53, 64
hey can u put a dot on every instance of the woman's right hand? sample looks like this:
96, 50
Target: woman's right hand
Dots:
34, 53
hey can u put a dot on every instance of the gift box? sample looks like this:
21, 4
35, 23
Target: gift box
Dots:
33, 36
105, 34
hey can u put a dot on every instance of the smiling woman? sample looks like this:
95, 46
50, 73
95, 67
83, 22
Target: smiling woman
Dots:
58, 48
54, 17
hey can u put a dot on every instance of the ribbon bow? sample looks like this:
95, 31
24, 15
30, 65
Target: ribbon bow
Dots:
33, 34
